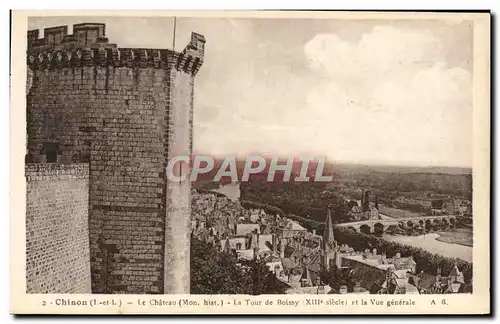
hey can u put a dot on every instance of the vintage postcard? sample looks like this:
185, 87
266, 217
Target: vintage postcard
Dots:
250, 162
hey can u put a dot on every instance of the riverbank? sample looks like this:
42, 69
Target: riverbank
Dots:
461, 236
397, 213
431, 243
428, 253
231, 191
457, 244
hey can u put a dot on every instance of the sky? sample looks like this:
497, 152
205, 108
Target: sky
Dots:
395, 92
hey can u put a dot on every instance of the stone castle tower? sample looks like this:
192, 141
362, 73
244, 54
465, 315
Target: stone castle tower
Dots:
125, 112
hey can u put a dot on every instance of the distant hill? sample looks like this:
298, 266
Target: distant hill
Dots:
361, 168
261, 176
418, 185
343, 168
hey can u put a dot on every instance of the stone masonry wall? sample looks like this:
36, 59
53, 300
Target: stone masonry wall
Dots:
177, 265
116, 122
113, 108
57, 231
127, 159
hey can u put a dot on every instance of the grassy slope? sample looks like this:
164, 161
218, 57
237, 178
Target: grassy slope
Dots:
462, 236
397, 213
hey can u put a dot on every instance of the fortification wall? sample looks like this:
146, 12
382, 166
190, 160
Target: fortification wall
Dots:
115, 108
177, 264
57, 231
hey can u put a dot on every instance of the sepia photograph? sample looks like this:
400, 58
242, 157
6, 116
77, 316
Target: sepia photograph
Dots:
288, 156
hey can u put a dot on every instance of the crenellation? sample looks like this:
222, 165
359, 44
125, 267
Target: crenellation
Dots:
104, 57
58, 50
55, 35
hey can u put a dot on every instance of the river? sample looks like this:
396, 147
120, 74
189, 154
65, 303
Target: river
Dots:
430, 243
427, 242
231, 190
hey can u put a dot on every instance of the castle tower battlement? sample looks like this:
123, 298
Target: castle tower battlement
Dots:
57, 50
125, 112
86, 34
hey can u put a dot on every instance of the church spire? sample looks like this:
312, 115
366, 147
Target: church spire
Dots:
328, 234
227, 246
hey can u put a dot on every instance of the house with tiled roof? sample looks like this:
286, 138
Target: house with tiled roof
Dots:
403, 263
245, 229
275, 266
454, 281
235, 243
267, 229
365, 275
425, 282
397, 282
293, 229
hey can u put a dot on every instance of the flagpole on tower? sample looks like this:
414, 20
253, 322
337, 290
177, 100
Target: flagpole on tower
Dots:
175, 26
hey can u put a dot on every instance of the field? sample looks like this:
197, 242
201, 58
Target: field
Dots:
397, 213
462, 236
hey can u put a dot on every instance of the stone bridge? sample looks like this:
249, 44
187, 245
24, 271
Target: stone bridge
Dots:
380, 225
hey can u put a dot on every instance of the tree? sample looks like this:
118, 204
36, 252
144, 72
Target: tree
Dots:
336, 277
352, 203
214, 272
263, 280
341, 213
220, 272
